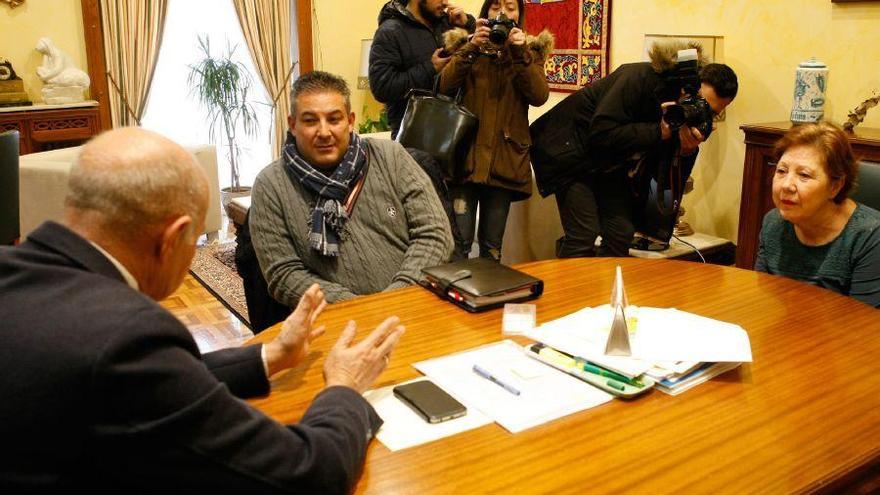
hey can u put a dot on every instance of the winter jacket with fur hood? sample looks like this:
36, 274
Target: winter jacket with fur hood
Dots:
498, 89
400, 57
600, 127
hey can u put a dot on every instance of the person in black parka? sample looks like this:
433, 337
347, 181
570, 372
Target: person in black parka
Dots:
407, 50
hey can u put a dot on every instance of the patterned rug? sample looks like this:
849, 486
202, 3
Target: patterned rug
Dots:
214, 266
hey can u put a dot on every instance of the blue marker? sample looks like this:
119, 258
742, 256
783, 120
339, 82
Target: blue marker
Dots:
488, 376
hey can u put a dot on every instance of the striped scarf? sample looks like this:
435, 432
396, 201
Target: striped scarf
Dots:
329, 215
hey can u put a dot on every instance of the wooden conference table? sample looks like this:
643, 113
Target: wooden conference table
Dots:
804, 416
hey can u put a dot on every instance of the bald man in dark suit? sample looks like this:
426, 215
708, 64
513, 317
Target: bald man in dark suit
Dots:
104, 390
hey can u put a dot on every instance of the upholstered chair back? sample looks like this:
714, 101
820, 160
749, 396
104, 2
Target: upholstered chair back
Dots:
868, 191
9, 221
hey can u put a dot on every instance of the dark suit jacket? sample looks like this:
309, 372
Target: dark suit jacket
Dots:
101, 389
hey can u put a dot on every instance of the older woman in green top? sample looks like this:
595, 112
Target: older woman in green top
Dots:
816, 233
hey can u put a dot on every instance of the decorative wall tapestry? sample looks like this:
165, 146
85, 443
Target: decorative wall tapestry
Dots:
583, 39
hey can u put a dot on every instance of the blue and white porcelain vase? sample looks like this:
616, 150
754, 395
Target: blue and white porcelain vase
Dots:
810, 81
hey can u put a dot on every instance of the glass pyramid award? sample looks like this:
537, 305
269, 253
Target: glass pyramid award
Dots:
618, 337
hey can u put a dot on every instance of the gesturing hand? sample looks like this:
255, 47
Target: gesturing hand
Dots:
291, 345
357, 366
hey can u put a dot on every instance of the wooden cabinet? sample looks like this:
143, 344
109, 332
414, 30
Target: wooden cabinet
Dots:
48, 127
758, 179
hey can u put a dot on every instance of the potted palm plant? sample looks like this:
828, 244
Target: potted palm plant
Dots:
221, 86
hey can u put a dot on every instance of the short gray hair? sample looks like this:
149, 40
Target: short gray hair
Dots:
318, 82
134, 179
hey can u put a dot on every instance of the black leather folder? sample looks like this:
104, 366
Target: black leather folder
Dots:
478, 284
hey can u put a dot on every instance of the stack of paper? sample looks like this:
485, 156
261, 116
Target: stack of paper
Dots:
667, 344
673, 335
676, 383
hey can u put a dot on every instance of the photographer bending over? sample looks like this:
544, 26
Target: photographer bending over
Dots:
500, 71
588, 146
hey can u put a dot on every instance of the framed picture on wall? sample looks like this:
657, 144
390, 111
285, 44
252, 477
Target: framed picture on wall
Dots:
582, 29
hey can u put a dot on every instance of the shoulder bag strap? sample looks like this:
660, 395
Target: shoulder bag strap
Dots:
359, 185
436, 91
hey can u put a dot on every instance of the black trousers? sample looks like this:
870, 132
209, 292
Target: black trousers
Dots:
263, 310
494, 206
596, 205
431, 167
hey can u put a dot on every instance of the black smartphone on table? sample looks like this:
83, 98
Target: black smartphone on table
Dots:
429, 401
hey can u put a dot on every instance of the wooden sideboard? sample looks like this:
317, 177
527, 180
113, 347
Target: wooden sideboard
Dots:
758, 179
48, 127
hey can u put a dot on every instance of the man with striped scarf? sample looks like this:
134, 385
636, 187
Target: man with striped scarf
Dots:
355, 215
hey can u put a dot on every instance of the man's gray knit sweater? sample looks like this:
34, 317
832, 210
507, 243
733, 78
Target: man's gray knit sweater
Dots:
398, 227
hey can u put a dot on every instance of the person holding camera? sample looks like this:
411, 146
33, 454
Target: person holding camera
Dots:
594, 149
406, 52
500, 72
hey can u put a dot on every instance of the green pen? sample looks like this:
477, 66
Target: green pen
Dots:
592, 368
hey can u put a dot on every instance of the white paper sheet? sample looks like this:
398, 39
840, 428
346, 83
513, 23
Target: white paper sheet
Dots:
545, 393
403, 428
660, 335
670, 334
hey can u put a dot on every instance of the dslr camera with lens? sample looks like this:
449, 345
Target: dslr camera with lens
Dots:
692, 109
500, 28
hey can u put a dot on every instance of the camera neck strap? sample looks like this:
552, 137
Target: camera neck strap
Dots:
669, 172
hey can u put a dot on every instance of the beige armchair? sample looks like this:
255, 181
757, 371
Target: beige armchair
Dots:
43, 185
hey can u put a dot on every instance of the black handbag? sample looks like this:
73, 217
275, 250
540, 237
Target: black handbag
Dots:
439, 125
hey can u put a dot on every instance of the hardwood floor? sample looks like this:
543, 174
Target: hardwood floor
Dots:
212, 325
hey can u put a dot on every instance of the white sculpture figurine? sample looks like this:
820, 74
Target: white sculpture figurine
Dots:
63, 82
